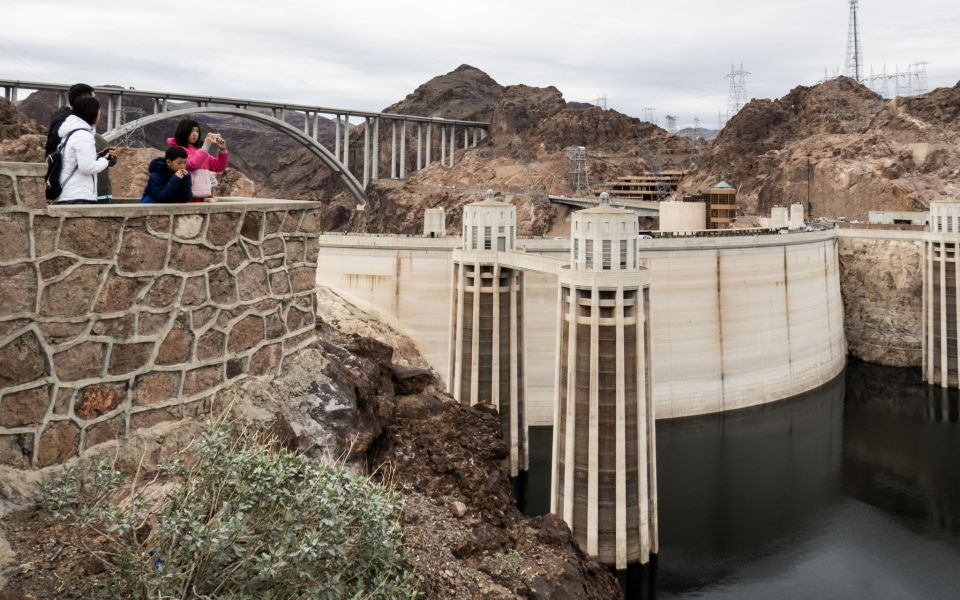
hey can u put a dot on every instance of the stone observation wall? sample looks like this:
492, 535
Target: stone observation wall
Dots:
735, 321
882, 281
115, 317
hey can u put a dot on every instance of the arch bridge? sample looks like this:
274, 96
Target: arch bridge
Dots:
450, 133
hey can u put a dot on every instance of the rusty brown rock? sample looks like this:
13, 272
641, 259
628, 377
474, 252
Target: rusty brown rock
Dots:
126, 358
175, 347
26, 407
274, 222
163, 292
235, 257
223, 228
16, 450
45, 232
303, 279
294, 251
32, 192
252, 282
194, 291
210, 345
312, 222
7, 193
119, 293
90, 237
96, 400
223, 286
61, 405
80, 362
202, 379
291, 223
200, 317
58, 442
252, 227
274, 326
22, 360
252, 250
272, 247
12, 326
149, 418
275, 263
192, 257
55, 266
298, 319
158, 224
266, 359
297, 340
18, 289
104, 431
14, 237
313, 249
72, 295
245, 334
155, 387
58, 333
152, 323
236, 366
142, 253
279, 283
120, 328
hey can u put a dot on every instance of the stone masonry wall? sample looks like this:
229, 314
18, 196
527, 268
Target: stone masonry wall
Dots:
118, 317
881, 283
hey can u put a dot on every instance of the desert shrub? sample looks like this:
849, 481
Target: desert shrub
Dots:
241, 521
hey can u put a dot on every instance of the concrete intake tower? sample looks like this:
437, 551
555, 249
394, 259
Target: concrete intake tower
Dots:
604, 481
486, 364
941, 272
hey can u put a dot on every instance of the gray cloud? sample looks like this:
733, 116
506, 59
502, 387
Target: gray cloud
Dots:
366, 55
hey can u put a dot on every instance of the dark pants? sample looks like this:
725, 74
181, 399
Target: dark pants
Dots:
76, 202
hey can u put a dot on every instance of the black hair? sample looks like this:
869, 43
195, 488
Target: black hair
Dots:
174, 152
182, 134
87, 108
78, 90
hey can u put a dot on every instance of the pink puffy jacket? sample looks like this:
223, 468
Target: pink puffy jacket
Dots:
201, 165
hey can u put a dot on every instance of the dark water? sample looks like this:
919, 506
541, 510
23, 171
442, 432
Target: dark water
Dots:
851, 491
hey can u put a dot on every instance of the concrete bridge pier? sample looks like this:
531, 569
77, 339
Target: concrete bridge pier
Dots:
403, 149
604, 481
453, 145
393, 149
419, 146
443, 145
486, 362
366, 152
941, 313
376, 147
429, 130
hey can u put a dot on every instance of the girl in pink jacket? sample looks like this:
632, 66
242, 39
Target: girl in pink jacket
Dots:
203, 160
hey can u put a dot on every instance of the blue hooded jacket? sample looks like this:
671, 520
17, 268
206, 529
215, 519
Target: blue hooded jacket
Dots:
164, 186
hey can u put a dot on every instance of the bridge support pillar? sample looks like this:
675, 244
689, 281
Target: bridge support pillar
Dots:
346, 141
941, 313
403, 149
419, 146
453, 143
466, 138
486, 362
366, 152
426, 162
393, 150
476, 133
603, 397
443, 145
376, 148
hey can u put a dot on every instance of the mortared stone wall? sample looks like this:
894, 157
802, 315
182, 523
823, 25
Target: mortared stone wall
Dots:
116, 317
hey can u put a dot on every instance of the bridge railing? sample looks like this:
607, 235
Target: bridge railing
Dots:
449, 130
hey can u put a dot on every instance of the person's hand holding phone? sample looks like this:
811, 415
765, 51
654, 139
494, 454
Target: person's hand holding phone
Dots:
181, 173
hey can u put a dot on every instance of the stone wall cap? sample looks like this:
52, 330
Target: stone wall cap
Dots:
23, 168
220, 205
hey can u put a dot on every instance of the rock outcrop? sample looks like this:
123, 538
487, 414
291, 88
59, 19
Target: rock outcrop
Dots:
881, 282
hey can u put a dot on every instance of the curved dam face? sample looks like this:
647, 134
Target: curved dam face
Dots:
742, 321
735, 321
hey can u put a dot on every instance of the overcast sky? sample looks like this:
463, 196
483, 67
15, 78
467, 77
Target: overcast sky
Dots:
365, 55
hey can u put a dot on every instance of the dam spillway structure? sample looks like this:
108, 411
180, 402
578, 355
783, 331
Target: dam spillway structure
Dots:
486, 364
941, 358
604, 459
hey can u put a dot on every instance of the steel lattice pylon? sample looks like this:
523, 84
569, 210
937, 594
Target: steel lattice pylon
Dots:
854, 62
738, 90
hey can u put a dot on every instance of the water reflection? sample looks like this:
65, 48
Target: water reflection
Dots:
851, 491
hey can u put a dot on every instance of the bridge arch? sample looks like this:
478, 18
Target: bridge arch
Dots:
327, 157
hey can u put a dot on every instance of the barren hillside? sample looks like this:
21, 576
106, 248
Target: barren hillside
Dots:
840, 149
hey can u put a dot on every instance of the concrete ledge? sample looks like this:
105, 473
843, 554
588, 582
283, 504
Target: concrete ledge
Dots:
882, 234
221, 205
23, 169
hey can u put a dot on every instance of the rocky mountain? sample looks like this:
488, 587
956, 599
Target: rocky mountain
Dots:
839, 149
701, 133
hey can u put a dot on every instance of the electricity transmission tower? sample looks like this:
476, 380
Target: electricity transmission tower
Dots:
578, 177
854, 62
671, 123
738, 90
601, 101
648, 114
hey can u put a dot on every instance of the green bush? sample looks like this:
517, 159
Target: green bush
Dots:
242, 522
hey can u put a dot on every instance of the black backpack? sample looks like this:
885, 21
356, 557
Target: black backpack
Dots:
54, 167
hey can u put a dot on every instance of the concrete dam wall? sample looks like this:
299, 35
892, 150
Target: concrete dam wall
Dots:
735, 321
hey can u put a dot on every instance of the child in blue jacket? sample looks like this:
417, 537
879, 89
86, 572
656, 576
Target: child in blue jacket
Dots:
169, 180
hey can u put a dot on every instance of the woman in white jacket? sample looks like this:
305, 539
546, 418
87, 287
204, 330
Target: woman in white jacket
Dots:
81, 162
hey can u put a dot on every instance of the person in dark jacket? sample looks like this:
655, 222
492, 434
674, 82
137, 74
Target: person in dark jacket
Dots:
79, 90
169, 180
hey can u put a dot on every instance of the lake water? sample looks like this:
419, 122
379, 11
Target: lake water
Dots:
851, 491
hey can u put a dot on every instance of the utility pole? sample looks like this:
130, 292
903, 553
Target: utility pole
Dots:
854, 62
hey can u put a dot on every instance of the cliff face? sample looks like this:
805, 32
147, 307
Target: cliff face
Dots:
839, 149
881, 283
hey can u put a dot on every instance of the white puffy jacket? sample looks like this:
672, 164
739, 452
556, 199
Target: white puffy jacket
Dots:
78, 177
